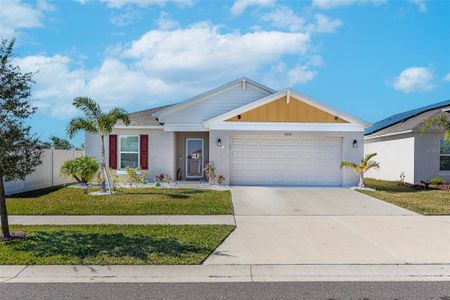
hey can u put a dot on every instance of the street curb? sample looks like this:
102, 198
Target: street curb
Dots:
223, 273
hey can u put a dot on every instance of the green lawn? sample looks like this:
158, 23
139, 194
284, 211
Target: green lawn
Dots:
151, 201
113, 244
432, 202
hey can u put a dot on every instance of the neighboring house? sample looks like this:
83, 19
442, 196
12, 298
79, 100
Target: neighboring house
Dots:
404, 150
252, 134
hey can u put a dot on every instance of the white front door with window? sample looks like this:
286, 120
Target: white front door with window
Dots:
194, 157
285, 161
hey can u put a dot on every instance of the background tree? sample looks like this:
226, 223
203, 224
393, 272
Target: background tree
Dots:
439, 121
98, 122
19, 150
365, 165
58, 143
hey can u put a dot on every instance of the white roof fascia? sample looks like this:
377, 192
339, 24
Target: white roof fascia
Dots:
291, 93
138, 127
184, 127
285, 126
210, 93
368, 137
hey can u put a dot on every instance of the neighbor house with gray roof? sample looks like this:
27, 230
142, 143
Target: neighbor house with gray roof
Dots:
406, 150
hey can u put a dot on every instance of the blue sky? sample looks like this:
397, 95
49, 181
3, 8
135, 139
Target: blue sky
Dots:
370, 58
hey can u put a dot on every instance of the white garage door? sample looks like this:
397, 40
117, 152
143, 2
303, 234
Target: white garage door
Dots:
285, 161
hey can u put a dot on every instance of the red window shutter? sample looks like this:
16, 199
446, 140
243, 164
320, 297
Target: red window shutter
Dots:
113, 151
144, 151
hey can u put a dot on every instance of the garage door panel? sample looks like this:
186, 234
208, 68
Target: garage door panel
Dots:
285, 161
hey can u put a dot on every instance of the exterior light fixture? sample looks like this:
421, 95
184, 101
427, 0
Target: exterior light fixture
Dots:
219, 143
355, 144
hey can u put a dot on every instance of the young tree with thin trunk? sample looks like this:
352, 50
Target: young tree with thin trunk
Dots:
20, 151
365, 165
98, 122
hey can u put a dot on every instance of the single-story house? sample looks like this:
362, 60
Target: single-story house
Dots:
405, 150
252, 134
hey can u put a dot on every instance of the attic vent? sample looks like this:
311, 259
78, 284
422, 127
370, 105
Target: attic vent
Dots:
243, 83
239, 117
336, 118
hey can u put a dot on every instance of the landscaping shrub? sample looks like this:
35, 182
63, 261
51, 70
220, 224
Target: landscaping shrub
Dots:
437, 181
82, 169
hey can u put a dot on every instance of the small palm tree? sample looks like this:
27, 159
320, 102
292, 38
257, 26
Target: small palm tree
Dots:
441, 121
98, 122
365, 165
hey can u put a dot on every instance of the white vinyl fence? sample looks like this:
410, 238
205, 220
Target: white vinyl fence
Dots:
46, 174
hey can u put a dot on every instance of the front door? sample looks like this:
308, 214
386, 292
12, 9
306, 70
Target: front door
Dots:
194, 158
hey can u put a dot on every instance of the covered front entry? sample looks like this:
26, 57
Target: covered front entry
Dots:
192, 155
258, 160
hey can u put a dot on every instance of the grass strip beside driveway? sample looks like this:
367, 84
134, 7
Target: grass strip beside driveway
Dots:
150, 201
113, 244
433, 202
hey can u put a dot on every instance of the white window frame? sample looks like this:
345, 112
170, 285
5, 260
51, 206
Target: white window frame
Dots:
186, 157
442, 154
120, 150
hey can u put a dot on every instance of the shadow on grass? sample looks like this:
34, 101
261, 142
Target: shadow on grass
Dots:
389, 186
79, 245
37, 193
171, 194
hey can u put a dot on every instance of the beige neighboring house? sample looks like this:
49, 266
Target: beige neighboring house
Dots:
404, 150
252, 134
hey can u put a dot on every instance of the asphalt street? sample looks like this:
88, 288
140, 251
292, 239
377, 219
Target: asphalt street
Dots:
282, 290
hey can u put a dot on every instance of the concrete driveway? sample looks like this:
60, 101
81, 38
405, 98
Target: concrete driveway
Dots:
328, 226
282, 201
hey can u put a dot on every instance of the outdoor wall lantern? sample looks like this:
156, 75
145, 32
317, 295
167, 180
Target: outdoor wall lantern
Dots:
355, 144
219, 143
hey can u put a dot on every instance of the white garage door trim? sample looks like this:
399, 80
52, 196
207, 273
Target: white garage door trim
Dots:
302, 161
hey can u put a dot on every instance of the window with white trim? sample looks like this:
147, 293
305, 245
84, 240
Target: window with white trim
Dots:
444, 158
129, 151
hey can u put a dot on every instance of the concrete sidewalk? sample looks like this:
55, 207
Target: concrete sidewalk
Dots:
122, 220
224, 273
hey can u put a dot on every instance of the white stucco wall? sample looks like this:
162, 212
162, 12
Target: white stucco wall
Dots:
427, 156
395, 155
415, 154
161, 148
221, 156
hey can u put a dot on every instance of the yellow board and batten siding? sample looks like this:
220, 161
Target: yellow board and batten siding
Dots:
281, 111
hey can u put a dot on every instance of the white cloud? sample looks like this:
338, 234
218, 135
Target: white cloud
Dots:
239, 6
284, 17
165, 65
414, 79
325, 25
165, 21
141, 3
15, 15
202, 49
420, 5
447, 77
125, 18
328, 4
281, 76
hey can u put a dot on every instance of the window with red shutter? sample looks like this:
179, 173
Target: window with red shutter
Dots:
113, 151
144, 151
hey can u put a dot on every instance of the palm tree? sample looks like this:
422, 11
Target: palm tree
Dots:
98, 122
365, 165
439, 121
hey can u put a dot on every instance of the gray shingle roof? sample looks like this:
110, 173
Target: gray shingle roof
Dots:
410, 120
145, 117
